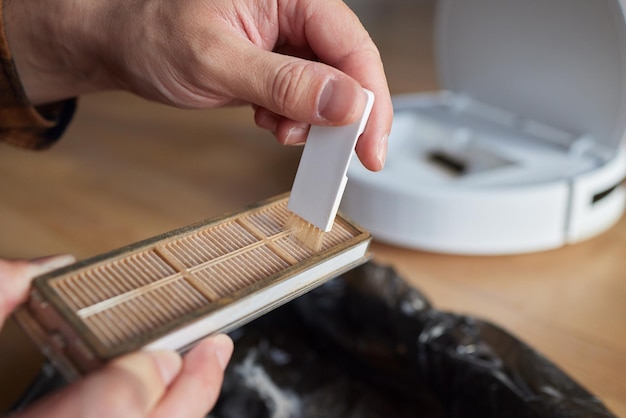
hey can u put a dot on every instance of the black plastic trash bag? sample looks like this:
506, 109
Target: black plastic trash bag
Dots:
368, 345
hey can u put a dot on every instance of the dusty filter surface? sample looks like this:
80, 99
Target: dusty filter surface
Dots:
171, 290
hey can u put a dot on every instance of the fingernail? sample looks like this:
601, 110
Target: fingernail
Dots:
381, 151
223, 349
338, 99
296, 135
47, 264
169, 364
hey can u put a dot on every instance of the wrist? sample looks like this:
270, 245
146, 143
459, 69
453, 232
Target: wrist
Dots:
55, 48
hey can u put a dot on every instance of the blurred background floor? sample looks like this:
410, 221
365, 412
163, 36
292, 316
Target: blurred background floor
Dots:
128, 169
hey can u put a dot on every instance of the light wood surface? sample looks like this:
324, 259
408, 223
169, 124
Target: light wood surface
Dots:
128, 170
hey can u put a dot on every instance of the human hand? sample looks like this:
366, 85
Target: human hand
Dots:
143, 384
297, 62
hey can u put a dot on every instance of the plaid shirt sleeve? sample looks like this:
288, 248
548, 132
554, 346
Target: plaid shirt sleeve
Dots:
21, 124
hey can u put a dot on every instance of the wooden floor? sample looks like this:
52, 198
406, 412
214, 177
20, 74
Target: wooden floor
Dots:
128, 169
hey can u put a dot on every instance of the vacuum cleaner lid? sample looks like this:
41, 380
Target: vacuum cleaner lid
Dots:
558, 62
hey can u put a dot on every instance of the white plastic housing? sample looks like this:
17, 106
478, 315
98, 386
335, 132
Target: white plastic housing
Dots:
530, 131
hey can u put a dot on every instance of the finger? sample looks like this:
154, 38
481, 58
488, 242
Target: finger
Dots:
128, 387
372, 148
344, 44
287, 131
290, 132
16, 276
323, 93
43, 265
266, 119
196, 389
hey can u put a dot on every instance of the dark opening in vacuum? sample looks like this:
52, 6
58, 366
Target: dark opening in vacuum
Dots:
451, 164
599, 196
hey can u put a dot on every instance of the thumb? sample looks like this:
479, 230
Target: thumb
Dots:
39, 266
130, 386
16, 276
299, 89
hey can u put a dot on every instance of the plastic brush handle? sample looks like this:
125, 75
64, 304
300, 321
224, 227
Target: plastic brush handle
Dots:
321, 176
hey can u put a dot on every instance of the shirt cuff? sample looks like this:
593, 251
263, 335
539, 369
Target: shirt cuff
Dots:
35, 128
21, 124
